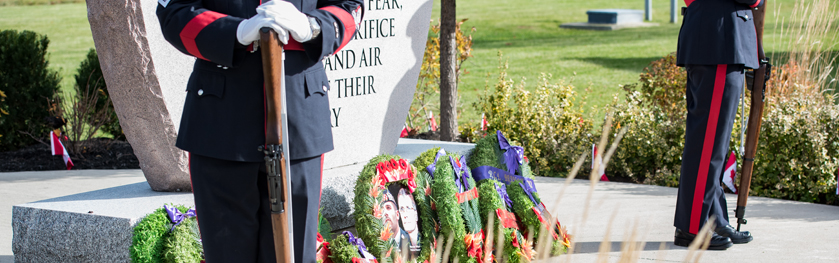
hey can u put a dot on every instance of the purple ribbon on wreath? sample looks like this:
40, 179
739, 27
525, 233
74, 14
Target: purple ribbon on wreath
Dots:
513, 156
460, 174
356, 242
176, 216
502, 191
433, 166
529, 190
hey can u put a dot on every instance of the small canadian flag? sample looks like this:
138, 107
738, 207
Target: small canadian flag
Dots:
484, 122
599, 160
58, 149
432, 121
405, 131
730, 171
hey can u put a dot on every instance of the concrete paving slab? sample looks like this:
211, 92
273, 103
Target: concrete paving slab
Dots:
785, 231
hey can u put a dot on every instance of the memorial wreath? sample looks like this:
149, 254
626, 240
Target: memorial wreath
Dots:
494, 158
456, 200
345, 248
169, 234
388, 202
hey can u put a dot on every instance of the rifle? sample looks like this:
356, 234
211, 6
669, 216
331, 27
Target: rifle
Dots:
757, 81
276, 145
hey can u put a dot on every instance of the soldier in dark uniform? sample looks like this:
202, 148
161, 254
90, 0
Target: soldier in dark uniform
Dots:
717, 43
223, 120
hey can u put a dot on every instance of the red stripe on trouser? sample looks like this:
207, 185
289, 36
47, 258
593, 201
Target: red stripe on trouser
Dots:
346, 19
687, 2
193, 27
321, 179
707, 149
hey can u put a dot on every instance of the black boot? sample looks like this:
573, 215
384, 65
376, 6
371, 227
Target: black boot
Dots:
738, 237
718, 242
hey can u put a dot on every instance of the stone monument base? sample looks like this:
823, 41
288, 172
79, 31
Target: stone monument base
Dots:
97, 226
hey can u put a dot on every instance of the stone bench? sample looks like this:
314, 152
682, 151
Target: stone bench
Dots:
611, 19
615, 16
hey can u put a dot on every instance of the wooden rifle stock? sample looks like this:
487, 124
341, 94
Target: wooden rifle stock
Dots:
276, 161
755, 117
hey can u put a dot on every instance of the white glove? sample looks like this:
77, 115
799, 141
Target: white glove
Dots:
288, 17
248, 30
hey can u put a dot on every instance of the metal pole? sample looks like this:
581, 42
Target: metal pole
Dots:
673, 8
648, 10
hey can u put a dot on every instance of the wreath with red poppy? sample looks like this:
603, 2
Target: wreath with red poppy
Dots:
371, 191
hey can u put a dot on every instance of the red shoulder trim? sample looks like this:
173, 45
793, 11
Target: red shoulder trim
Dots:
193, 27
346, 19
757, 3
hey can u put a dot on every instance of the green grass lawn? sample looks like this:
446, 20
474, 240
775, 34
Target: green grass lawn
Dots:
527, 32
66, 27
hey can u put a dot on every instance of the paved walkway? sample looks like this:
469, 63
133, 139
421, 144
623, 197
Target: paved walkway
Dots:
784, 231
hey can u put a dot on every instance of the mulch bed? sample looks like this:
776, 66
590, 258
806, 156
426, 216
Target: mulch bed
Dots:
97, 154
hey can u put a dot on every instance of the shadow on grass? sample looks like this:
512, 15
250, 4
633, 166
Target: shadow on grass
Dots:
628, 64
565, 38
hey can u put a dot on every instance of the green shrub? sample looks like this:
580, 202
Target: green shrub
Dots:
545, 122
797, 157
29, 87
653, 144
89, 80
654, 109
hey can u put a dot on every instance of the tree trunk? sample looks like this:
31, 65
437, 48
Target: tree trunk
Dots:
448, 74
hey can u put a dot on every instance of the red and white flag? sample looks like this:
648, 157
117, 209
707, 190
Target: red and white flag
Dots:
730, 171
599, 160
432, 121
58, 149
404, 132
484, 122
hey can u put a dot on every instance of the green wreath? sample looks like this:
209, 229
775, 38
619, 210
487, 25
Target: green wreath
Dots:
457, 202
496, 152
157, 239
493, 196
346, 248
428, 216
493, 204
382, 173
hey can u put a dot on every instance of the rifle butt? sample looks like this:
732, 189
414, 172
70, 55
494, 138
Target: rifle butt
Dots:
281, 237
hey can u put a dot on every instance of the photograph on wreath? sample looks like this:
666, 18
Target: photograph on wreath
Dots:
390, 217
408, 219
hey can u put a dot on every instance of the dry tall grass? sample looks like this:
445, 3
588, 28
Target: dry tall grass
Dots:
811, 36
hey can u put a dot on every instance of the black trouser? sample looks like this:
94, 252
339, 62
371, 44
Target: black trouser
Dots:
712, 93
231, 200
